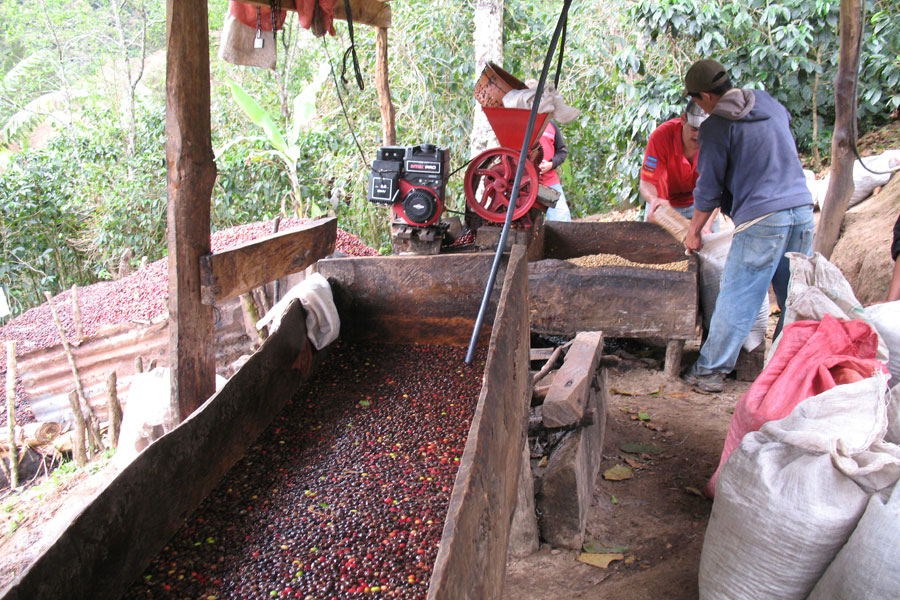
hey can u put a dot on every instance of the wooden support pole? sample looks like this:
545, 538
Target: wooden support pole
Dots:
91, 421
138, 364
78, 445
253, 312
11, 414
114, 408
383, 88
76, 311
191, 173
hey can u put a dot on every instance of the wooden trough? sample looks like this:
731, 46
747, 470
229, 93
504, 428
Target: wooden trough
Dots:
620, 301
430, 300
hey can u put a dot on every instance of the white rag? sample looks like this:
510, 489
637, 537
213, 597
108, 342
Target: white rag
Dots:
322, 322
551, 102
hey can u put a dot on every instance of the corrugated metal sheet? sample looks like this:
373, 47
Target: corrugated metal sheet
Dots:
47, 376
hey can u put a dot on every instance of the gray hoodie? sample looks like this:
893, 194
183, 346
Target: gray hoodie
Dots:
748, 163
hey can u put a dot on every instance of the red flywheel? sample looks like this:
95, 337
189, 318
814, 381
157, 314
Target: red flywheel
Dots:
489, 182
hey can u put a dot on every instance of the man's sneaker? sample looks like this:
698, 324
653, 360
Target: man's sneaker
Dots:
711, 383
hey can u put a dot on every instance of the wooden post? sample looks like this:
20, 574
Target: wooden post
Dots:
78, 446
138, 364
76, 310
11, 414
91, 421
191, 173
115, 410
382, 87
674, 352
843, 142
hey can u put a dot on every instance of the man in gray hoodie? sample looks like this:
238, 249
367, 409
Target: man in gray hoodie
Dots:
748, 166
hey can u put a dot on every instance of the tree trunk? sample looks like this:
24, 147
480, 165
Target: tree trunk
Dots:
488, 43
843, 143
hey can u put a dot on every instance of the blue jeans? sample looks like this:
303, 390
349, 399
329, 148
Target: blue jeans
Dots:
560, 212
755, 260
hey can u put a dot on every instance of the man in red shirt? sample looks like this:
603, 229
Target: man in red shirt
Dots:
669, 171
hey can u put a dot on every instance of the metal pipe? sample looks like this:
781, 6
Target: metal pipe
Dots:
517, 181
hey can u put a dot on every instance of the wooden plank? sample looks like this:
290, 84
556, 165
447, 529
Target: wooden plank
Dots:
376, 13
619, 301
111, 542
232, 272
568, 396
567, 486
471, 561
406, 299
645, 243
191, 173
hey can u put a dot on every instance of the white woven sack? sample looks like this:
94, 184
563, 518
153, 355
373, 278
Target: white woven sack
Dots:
885, 318
712, 258
782, 509
868, 566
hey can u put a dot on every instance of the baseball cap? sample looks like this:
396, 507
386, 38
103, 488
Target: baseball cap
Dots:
695, 114
704, 75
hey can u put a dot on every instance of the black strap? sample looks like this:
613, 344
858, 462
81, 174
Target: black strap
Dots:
351, 51
562, 47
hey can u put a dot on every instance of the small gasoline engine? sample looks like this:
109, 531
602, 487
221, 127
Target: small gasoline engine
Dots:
411, 180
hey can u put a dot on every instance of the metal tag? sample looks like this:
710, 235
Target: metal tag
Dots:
258, 40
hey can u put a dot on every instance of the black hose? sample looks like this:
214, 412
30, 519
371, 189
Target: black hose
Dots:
520, 168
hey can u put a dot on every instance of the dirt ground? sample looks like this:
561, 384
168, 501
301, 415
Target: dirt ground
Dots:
657, 518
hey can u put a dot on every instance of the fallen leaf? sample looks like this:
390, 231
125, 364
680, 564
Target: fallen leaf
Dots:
543, 462
644, 416
613, 499
694, 491
657, 392
630, 559
364, 403
634, 464
599, 560
677, 395
618, 473
640, 448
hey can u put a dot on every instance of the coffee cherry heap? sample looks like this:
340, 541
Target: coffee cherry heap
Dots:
344, 495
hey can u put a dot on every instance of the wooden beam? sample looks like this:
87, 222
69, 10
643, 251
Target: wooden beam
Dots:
383, 88
191, 173
568, 396
230, 273
368, 12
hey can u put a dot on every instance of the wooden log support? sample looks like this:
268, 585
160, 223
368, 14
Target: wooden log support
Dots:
567, 398
114, 410
78, 450
567, 486
76, 313
674, 351
191, 173
11, 414
383, 89
230, 273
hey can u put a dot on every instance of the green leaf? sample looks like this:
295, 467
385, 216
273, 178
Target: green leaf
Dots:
259, 116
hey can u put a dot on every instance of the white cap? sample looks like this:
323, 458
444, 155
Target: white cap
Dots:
695, 114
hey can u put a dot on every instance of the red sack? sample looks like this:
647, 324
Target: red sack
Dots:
812, 357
